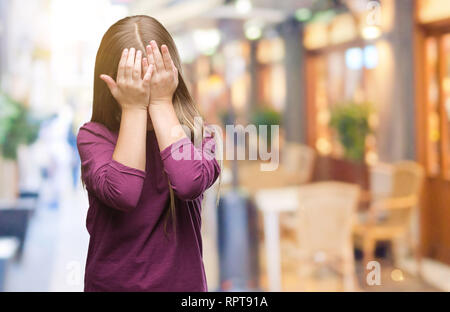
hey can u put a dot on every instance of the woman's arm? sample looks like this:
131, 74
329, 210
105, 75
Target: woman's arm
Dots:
114, 171
132, 92
114, 184
164, 82
191, 175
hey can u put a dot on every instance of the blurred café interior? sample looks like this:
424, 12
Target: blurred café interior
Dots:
360, 89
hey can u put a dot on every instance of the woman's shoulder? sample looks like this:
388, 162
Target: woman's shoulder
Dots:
95, 132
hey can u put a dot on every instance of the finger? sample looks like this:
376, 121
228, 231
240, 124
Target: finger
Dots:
144, 66
130, 64
148, 74
122, 63
174, 69
175, 73
159, 63
151, 58
137, 65
166, 57
110, 83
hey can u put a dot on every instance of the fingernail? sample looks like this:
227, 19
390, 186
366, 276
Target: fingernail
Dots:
139, 53
125, 51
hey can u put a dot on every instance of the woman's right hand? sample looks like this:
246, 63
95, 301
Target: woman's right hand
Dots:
131, 89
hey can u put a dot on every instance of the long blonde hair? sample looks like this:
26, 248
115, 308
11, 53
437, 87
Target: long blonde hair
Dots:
137, 32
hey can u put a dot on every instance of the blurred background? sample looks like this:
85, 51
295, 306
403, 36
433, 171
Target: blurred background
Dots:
361, 90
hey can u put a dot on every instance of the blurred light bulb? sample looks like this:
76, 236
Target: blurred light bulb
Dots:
253, 29
370, 57
323, 146
397, 275
207, 40
253, 32
354, 58
243, 6
303, 14
371, 158
371, 32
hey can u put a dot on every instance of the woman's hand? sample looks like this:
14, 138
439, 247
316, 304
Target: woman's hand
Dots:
162, 87
164, 81
132, 88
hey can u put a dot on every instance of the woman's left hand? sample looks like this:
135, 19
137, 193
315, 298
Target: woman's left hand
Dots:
164, 80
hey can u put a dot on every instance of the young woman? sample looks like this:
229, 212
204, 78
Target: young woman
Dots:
144, 203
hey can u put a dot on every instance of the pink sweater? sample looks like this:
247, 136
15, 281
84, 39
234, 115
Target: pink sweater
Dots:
129, 250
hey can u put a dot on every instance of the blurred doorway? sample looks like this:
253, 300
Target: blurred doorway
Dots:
433, 133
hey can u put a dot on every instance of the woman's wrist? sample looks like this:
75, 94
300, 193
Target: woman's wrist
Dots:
161, 106
134, 113
130, 146
166, 124
134, 107
160, 102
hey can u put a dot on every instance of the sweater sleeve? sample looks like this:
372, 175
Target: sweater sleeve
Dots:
113, 183
191, 170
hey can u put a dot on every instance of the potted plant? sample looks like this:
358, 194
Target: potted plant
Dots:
266, 116
17, 127
350, 120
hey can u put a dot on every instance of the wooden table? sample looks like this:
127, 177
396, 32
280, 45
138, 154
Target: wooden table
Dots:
252, 179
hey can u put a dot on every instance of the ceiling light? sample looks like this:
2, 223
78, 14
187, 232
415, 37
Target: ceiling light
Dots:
253, 32
371, 32
354, 58
253, 29
243, 6
207, 40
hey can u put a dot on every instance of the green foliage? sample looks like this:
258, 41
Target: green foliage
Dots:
351, 122
266, 116
16, 126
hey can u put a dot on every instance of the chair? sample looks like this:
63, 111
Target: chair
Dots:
395, 196
298, 161
324, 229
